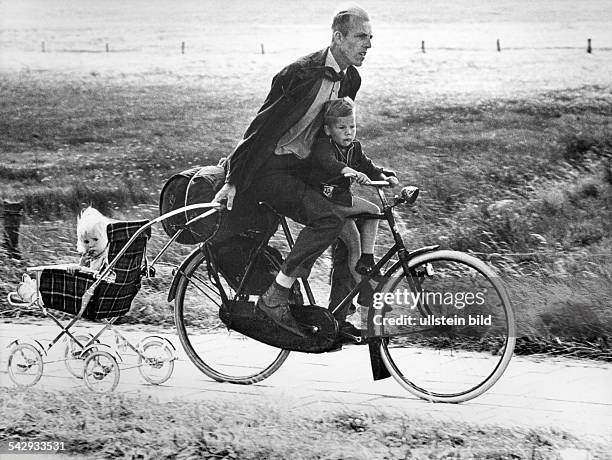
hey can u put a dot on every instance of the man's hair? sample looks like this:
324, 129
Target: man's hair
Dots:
344, 16
338, 108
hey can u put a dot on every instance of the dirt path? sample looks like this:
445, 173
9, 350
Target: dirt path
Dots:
564, 394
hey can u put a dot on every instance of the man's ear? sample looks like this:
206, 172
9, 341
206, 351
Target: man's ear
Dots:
327, 131
337, 37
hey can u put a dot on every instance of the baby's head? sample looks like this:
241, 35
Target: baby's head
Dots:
339, 121
91, 232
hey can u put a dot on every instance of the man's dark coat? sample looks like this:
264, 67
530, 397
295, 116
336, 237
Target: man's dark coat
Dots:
293, 90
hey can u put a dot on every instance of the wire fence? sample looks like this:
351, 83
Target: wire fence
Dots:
183, 47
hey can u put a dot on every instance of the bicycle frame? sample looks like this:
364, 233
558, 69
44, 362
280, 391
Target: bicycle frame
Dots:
398, 248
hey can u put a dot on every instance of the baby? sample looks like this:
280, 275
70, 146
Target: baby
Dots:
92, 241
335, 160
92, 244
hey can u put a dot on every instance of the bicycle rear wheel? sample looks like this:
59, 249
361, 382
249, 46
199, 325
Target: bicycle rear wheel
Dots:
223, 355
448, 328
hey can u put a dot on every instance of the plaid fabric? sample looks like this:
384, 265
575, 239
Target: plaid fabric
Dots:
63, 291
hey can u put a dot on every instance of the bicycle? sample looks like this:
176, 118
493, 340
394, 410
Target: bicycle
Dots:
441, 351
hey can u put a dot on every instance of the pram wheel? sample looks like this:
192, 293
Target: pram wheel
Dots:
155, 360
25, 365
101, 372
72, 354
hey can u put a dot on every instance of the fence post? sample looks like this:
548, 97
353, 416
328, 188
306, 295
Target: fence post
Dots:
11, 213
423, 46
498, 46
589, 49
262, 49
182, 47
107, 47
42, 46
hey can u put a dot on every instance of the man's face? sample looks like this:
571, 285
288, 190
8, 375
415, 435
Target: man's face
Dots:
354, 45
342, 130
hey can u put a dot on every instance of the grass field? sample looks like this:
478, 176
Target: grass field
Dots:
120, 426
511, 150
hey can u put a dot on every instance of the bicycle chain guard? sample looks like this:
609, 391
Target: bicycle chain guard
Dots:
244, 317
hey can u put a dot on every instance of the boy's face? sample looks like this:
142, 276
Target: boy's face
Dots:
342, 130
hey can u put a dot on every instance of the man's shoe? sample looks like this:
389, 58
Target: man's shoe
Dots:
281, 315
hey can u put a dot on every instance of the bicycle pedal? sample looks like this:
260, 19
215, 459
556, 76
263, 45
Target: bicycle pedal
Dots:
352, 338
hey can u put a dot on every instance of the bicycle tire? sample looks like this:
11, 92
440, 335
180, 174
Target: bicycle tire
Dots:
442, 362
226, 356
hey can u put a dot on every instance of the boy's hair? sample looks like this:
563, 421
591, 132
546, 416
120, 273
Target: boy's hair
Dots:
91, 221
338, 108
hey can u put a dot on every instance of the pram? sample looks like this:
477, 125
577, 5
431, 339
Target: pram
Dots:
105, 297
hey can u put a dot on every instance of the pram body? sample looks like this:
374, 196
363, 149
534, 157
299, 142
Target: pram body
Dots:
104, 297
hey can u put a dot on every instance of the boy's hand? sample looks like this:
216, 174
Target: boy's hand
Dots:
227, 193
357, 176
361, 178
392, 181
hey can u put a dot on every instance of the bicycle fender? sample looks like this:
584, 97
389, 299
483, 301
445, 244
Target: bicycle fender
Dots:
179, 273
379, 369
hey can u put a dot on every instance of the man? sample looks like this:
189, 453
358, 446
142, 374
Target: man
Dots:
270, 163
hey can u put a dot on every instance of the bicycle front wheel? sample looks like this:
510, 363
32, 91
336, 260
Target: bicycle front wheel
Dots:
223, 355
448, 328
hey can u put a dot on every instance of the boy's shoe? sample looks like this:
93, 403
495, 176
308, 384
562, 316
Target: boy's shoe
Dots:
365, 266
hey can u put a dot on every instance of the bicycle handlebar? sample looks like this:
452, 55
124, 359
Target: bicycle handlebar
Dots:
372, 183
378, 183
407, 194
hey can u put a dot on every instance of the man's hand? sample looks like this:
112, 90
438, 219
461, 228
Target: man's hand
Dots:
227, 194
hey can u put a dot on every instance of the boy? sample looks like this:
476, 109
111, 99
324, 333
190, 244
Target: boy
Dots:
335, 160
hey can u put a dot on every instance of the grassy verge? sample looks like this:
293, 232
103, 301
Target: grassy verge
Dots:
524, 184
95, 426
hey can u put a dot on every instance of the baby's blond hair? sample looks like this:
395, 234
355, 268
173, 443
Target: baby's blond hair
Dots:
93, 222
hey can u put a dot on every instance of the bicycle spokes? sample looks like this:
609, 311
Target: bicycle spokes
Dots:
449, 326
